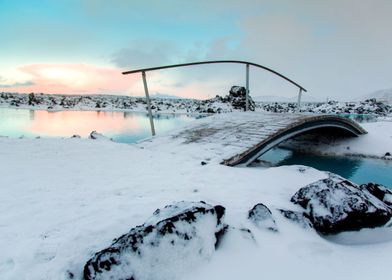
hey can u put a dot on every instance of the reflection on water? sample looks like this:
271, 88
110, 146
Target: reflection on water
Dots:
125, 127
358, 170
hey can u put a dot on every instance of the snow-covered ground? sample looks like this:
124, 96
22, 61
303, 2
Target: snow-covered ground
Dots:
62, 200
234, 101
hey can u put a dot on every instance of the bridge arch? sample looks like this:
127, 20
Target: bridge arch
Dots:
301, 126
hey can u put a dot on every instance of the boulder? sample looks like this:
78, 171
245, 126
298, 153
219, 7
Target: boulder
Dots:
387, 156
237, 98
170, 243
262, 218
335, 205
381, 192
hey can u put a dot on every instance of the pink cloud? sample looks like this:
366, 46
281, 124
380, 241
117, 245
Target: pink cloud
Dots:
74, 79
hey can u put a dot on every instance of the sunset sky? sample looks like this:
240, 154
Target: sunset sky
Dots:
335, 48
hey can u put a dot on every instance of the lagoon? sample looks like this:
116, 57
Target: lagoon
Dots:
130, 127
123, 127
360, 170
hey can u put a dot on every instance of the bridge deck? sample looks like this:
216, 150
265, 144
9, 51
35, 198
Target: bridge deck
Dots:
239, 138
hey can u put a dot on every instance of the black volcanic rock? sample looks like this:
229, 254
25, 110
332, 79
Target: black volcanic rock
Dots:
172, 241
237, 98
262, 218
381, 192
335, 205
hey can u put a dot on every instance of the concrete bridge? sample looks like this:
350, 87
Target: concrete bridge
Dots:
241, 138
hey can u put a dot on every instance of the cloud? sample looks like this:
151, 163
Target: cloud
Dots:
145, 53
72, 79
14, 84
333, 48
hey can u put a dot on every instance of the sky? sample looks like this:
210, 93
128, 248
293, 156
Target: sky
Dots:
339, 49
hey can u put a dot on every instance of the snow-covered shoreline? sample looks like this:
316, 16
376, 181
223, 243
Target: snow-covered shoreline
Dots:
232, 102
62, 200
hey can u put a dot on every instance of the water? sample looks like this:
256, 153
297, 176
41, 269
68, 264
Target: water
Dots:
129, 127
124, 127
356, 169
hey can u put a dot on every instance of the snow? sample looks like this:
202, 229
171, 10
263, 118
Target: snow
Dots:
159, 248
62, 200
234, 101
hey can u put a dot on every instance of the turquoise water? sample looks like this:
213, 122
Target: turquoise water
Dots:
124, 127
356, 169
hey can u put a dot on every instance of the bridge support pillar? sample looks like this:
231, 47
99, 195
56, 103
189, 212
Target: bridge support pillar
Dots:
148, 103
299, 100
247, 88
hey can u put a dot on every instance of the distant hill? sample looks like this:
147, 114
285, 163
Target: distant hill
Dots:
380, 95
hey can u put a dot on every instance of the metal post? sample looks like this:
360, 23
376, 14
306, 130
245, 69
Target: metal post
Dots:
247, 88
148, 103
299, 100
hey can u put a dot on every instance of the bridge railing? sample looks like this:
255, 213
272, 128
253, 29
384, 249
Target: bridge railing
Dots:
246, 63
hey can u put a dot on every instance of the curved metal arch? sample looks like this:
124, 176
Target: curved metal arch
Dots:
293, 130
214, 62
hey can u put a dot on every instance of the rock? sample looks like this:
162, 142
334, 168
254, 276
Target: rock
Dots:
203, 163
335, 205
296, 217
387, 156
78, 136
98, 136
170, 243
237, 98
262, 218
381, 192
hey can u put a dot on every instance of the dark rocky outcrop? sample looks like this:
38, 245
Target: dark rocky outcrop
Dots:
381, 192
237, 98
387, 156
174, 239
335, 204
262, 218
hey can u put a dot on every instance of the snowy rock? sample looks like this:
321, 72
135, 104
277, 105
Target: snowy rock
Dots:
262, 218
335, 204
237, 98
98, 136
387, 156
170, 243
234, 101
379, 191
296, 217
